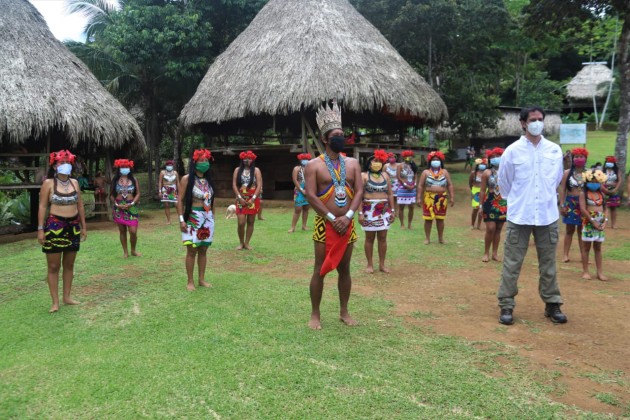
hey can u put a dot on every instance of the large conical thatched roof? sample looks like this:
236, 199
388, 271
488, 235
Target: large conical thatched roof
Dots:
591, 81
43, 86
300, 53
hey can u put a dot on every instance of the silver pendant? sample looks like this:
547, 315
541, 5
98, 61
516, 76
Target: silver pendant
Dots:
341, 198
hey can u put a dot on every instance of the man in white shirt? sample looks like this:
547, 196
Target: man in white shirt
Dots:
529, 174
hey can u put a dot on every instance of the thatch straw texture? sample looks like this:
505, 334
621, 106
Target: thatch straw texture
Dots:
591, 81
44, 86
300, 53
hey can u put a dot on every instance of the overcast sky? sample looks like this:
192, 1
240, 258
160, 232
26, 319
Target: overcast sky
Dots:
62, 26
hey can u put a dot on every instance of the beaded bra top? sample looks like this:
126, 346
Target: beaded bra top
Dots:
407, 173
594, 198
202, 190
300, 175
492, 180
436, 179
573, 182
169, 179
390, 171
61, 199
612, 178
245, 177
372, 186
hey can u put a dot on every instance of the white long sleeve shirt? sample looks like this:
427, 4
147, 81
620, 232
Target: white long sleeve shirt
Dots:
528, 179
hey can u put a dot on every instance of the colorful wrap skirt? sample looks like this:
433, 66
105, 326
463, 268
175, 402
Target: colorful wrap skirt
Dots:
434, 205
63, 234
200, 226
613, 200
405, 196
253, 207
475, 197
573, 217
299, 198
127, 217
393, 181
169, 194
319, 230
377, 215
589, 233
494, 208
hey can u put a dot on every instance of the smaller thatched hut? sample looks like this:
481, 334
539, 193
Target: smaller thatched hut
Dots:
592, 81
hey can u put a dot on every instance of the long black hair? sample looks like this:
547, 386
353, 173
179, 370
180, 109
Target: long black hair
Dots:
252, 172
191, 183
116, 178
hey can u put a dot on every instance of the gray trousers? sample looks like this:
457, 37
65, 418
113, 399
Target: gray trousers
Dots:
516, 243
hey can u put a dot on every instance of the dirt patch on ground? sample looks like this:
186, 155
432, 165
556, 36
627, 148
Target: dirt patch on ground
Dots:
585, 361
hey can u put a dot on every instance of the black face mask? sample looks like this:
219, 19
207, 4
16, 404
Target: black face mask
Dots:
337, 143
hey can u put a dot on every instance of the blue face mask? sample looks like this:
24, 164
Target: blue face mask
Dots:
593, 186
495, 161
482, 167
304, 162
436, 164
609, 165
125, 171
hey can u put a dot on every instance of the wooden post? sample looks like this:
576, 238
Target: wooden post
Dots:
108, 175
318, 143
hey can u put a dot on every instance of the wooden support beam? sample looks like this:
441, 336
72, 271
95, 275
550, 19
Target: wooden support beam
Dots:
318, 143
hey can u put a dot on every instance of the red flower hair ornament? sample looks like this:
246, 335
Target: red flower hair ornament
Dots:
611, 159
497, 151
380, 155
408, 153
579, 151
123, 163
436, 154
247, 155
304, 156
202, 154
60, 156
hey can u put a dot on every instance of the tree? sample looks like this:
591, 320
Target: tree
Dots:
544, 17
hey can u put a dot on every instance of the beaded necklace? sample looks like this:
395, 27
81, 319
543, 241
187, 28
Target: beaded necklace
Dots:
338, 176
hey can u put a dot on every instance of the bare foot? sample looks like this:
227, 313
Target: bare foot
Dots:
239, 248
315, 323
402, 227
53, 309
369, 270
565, 259
426, 242
190, 286
261, 218
168, 222
125, 255
409, 227
496, 258
602, 277
586, 276
442, 241
347, 319
247, 247
304, 228
383, 269
204, 283
290, 230
136, 254
485, 258
70, 301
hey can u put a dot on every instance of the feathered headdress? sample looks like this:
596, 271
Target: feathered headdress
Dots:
328, 118
611, 159
123, 163
202, 154
380, 155
304, 156
408, 153
61, 155
437, 154
247, 155
579, 151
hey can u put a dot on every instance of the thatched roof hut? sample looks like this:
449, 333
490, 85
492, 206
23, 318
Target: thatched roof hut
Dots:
296, 54
591, 81
44, 88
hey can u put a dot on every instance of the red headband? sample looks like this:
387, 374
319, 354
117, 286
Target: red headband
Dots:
247, 155
61, 155
408, 153
123, 163
303, 156
437, 154
168, 162
579, 151
380, 155
202, 154
611, 159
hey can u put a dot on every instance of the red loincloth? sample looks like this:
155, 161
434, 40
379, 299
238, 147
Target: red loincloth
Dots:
336, 245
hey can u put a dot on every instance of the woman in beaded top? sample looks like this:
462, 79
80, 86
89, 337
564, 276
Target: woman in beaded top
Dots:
167, 187
61, 231
196, 214
301, 205
611, 188
125, 195
246, 184
570, 188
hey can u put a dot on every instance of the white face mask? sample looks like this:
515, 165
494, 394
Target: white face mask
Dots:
64, 169
535, 128
169, 168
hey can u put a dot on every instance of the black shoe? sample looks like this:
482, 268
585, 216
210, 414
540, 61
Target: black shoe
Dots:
552, 311
506, 316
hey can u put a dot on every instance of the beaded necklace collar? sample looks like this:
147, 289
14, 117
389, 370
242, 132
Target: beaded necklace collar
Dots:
338, 176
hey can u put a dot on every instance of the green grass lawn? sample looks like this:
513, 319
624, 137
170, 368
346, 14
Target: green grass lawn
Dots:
599, 144
140, 345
